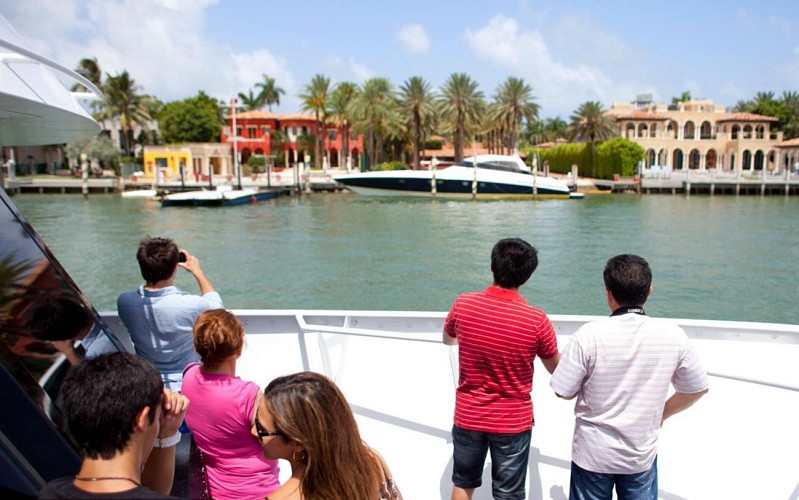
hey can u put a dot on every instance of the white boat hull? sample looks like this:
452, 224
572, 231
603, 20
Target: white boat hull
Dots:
457, 181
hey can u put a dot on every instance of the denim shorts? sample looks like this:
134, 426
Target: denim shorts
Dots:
509, 456
587, 485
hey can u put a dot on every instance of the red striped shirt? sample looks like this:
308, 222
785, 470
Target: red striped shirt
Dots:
499, 335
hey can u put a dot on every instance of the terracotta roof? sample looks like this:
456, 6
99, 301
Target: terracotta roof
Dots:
296, 116
790, 143
266, 115
746, 117
641, 115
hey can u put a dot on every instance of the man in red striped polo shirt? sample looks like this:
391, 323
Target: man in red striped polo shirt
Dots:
499, 335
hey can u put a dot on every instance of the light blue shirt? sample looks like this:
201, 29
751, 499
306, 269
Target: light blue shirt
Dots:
97, 342
160, 324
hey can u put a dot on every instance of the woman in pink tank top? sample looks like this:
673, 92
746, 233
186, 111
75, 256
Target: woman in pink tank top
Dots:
222, 411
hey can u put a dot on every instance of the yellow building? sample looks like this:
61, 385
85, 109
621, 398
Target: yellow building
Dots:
198, 161
700, 135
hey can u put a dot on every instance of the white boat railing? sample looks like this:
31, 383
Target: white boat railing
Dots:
21, 54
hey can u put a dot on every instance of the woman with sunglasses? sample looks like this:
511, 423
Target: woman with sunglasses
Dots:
303, 418
222, 412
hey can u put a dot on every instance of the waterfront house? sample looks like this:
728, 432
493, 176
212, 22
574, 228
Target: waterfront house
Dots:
253, 136
700, 135
198, 161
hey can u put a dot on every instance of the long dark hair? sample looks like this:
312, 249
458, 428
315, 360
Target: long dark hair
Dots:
308, 408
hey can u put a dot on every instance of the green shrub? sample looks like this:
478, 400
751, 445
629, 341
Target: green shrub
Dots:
618, 156
433, 144
614, 156
257, 163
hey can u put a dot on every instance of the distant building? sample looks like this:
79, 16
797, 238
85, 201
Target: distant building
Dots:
253, 129
149, 131
197, 160
789, 155
700, 135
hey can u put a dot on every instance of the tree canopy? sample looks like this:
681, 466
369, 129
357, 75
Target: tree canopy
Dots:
195, 119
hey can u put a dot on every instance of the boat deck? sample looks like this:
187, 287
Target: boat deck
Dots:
738, 442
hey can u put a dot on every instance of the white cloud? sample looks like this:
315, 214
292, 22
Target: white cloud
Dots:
349, 70
555, 83
414, 38
161, 43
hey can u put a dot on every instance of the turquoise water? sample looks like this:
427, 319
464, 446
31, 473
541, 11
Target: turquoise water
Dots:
712, 257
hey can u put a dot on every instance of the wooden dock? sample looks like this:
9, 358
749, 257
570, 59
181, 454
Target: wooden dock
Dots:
707, 183
62, 185
104, 185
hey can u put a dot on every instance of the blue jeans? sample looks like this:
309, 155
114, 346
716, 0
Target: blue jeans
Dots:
587, 485
509, 456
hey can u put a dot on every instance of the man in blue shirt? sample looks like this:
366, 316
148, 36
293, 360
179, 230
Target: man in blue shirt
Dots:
158, 315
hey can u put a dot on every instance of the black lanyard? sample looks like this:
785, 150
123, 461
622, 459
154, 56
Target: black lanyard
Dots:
629, 309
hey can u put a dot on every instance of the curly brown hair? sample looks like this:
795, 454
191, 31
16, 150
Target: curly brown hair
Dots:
218, 334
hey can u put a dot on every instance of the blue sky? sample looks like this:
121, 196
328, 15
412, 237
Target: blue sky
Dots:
568, 51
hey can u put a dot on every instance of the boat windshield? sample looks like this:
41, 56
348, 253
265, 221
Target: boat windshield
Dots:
39, 306
505, 166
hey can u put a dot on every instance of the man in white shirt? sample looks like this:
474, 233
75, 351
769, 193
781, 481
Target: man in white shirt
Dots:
620, 369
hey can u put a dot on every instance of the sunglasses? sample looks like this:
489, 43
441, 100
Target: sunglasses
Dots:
262, 433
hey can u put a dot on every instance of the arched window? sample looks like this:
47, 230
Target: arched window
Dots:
694, 159
760, 160
688, 130
671, 128
706, 131
710, 159
747, 160
677, 159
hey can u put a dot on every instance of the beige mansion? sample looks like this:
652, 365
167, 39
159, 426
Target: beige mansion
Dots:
700, 135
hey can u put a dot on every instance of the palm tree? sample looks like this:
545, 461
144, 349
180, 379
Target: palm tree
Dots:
555, 128
514, 103
675, 101
249, 101
461, 106
315, 99
590, 123
790, 100
123, 102
418, 102
341, 113
270, 93
493, 128
371, 111
742, 106
90, 69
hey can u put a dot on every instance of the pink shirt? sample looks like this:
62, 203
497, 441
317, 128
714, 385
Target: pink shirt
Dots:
220, 417
499, 335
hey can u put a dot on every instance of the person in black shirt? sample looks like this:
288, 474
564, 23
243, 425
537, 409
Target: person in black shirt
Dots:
125, 425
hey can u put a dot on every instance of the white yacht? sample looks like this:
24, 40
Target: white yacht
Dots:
481, 177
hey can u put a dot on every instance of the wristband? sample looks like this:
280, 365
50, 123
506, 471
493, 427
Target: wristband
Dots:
167, 442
